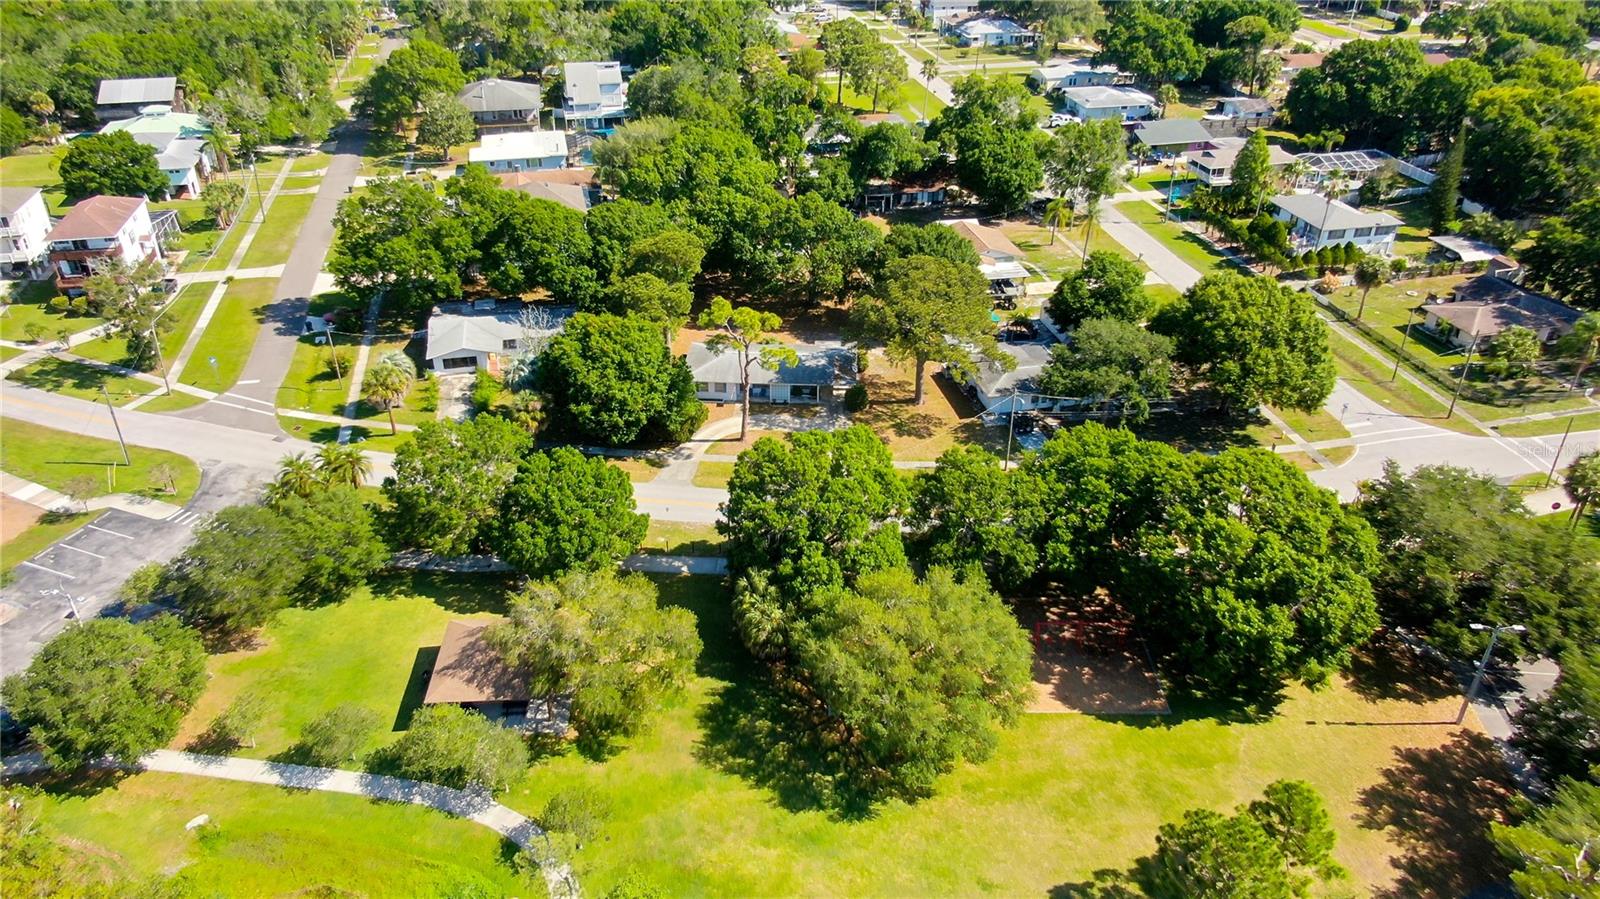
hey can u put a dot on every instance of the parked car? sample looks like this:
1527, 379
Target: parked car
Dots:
1057, 119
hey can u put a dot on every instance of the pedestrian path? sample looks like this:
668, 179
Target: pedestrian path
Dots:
260, 271
475, 805
25, 491
359, 369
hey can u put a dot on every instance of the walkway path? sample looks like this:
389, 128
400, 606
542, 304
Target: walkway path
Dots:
358, 370
1166, 264
23, 490
477, 806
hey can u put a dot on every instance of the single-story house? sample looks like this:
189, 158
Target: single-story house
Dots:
470, 673
940, 10
1486, 305
998, 258
998, 390
1465, 249
1316, 222
123, 98
993, 31
1171, 137
1076, 73
499, 104
182, 142
824, 371
1213, 164
1294, 63
465, 337
912, 193
1103, 102
1252, 111
577, 188
516, 151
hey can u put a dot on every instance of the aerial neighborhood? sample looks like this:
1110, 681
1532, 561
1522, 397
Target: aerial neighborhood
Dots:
787, 448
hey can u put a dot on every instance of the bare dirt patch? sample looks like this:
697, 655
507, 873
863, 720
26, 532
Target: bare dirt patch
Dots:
1088, 659
16, 516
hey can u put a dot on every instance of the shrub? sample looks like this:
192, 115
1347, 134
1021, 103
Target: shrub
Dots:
451, 746
338, 735
577, 811
855, 398
1401, 23
484, 389
428, 392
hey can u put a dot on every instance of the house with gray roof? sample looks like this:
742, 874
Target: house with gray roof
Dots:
1170, 137
1316, 222
594, 96
823, 372
124, 98
498, 104
1105, 102
466, 337
182, 142
24, 229
1481, 308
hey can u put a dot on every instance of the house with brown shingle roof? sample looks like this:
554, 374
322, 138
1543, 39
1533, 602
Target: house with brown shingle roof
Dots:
1481, 308
998, 259
100, 228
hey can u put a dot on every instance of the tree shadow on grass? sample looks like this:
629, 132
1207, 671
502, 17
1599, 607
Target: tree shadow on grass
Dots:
456, 592
1388, 669
1437, 803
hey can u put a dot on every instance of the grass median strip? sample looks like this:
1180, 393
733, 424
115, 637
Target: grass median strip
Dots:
277, 234
230, 335
1185, 245
53, 458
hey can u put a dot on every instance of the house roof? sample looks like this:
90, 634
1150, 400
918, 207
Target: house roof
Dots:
161, 120
1223, 157
96, 217
879, 118
460, 327
182, 154
499, 95
468, 669
1465, 248
573, 188
833, 364
1311, 208
1058, 71
1171, 132
1031, 358
1246, 105
987, 25
519, 145
986, 240
14, 198
584, 80
1100, 96
1486, 305
121, 91
1295, 61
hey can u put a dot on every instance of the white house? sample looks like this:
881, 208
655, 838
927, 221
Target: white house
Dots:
24, 232
595, 97
181, 141
100, 228
1077, 73
465, 337
1316, 222
999, 390
938, 10
993, 31
123, 98
516, 151
1213, 165
1252, 111
998, 258
1104, 102
497, 104
823, 371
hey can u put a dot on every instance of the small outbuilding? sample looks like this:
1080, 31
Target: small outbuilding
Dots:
470, 673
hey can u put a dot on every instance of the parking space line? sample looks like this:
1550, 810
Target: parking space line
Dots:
108, 531
51, 570
76, 549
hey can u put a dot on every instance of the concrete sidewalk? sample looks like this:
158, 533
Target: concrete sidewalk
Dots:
26, 491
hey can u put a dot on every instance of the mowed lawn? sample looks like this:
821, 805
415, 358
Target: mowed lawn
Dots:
1183, 244
705, 803
230, 335
52, 458
266, 841
82, 381
175, 324
276, 236
29, 305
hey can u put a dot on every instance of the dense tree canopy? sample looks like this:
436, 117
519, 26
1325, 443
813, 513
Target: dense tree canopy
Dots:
114, 165
400, 237
1153, 46
1533, 149
396, 89
564, 511
612, 381
1553, 849
930, 310
968, 510
1363, 90
453, 747
1561, 730
1113, 360
1105, 286
108, 687
1565, 256
991, 128
448, 480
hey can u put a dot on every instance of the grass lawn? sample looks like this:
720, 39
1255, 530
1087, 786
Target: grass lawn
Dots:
221, 250
1183, 244
177, 321
713, 474
311, 162
302, 182
29, 304
268, 841
1164, 294
1587, 421
52, 458
277, 234
1370, 376
1324, 28
85, 382
10, 352
919, 433
1339, 455
32, 167
230, 335
640, 469
679, 538
310, 384
1313, 426
172, 402
908, 101
1065, 255
1412, 239
372, 439
50, 527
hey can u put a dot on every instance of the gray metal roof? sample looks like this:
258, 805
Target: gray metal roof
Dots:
1172, 132
833, 364
584, 79
498, 95
119, 91
1031, 358
1330, 214
482, 331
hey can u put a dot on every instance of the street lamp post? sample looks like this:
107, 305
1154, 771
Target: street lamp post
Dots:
1483, 663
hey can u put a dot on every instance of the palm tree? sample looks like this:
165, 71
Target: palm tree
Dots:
1166, 95
1582, 482
1057, 214
1091, 214
1331, 188
1583, 342
341, 464
1295, 172
297, 476
1370, 271
930, 71
386, 386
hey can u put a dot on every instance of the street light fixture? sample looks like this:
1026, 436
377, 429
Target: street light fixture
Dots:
1483, 663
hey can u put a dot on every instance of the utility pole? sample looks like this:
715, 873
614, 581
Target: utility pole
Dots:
1462, 380
115, 424
1011, 429
1557, 460
1483, 664
1403, 341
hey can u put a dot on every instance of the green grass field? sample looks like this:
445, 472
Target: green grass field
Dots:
311, 162
229, 335
912, 101
1371, 377
29, 305
51, 457
1587, 421
1183, 244
1313, 426
85, 382
277, 234
177, 321
713, 474
704, 804
677, 538
1325, 28
34, 167
222, 248
266, 841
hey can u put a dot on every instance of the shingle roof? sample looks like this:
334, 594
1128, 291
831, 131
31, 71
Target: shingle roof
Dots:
1171, 132
1486, 305
991, 25
468, 669
498, 95
1031, 358
583, 80
96, 217
1224, 156
986, 240
1311, 208
482, 332
119, 91
14, 198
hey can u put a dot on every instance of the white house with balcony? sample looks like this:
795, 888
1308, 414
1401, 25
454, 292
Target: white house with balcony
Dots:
100, 228
1213, 164
24, 232
1123, 104
520, 151
940, 10
1059, 76
993, 31
181, 141
595, 96
1316, 222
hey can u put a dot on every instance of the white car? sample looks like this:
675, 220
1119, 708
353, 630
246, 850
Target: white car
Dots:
1057, 119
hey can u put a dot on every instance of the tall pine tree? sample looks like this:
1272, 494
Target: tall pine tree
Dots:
1445, 192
